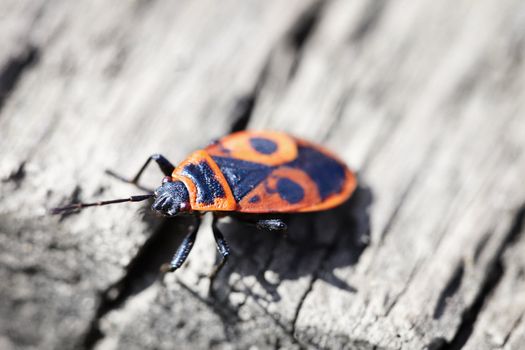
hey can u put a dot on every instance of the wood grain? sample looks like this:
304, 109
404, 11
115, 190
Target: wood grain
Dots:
425, 100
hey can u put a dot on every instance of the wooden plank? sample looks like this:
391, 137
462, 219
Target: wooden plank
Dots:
500, 322
424, 101
395, 303
17, 50
113, 85
411, 104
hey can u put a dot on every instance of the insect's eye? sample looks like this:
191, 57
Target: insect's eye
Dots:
184, 206
166, 179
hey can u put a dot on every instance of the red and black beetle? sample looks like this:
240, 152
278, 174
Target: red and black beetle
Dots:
245, 174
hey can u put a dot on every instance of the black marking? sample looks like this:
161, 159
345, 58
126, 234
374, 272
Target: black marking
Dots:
208, 187
263, 145
242, 176
327, 173
290, 190
254, 199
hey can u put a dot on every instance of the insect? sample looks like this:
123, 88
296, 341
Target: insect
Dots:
253, 176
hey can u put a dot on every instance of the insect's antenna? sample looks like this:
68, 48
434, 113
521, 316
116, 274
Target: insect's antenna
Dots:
78, 206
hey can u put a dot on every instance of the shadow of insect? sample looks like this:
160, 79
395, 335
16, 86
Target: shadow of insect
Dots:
316, 244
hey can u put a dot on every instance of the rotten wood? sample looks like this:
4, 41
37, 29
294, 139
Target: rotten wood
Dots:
425, 100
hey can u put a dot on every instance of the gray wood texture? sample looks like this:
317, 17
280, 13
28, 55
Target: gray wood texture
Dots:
424, 99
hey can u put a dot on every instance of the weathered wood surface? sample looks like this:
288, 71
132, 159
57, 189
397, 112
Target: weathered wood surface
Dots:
424, 99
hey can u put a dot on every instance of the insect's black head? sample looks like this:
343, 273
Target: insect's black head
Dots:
172, 198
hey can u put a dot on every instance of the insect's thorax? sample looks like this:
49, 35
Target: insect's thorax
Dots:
208, 189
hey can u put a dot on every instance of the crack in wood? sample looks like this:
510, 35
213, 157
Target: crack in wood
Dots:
352, 217
297, 36
427, 158
228, 316
380, 139
300, 305
243, 108
511, 331
450, 289
242, 111
436, 343
400, 204
359, 206
301, 31
369, 19
340, 108
141, 273
15, 68
303, 28
408, 282
17, 176
226, 307
493, 277
480, 247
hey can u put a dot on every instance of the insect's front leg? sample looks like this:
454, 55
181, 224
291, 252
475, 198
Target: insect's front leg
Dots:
222, 247
165, 166
184, 249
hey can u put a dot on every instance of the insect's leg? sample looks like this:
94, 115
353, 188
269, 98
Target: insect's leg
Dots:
184, 249
222, 247
277, 224
165, 166
271, 225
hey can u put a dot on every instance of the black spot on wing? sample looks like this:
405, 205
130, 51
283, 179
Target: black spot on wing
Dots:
208, 187
242, 176
263, 145
254, 199
327, 173
290, 190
